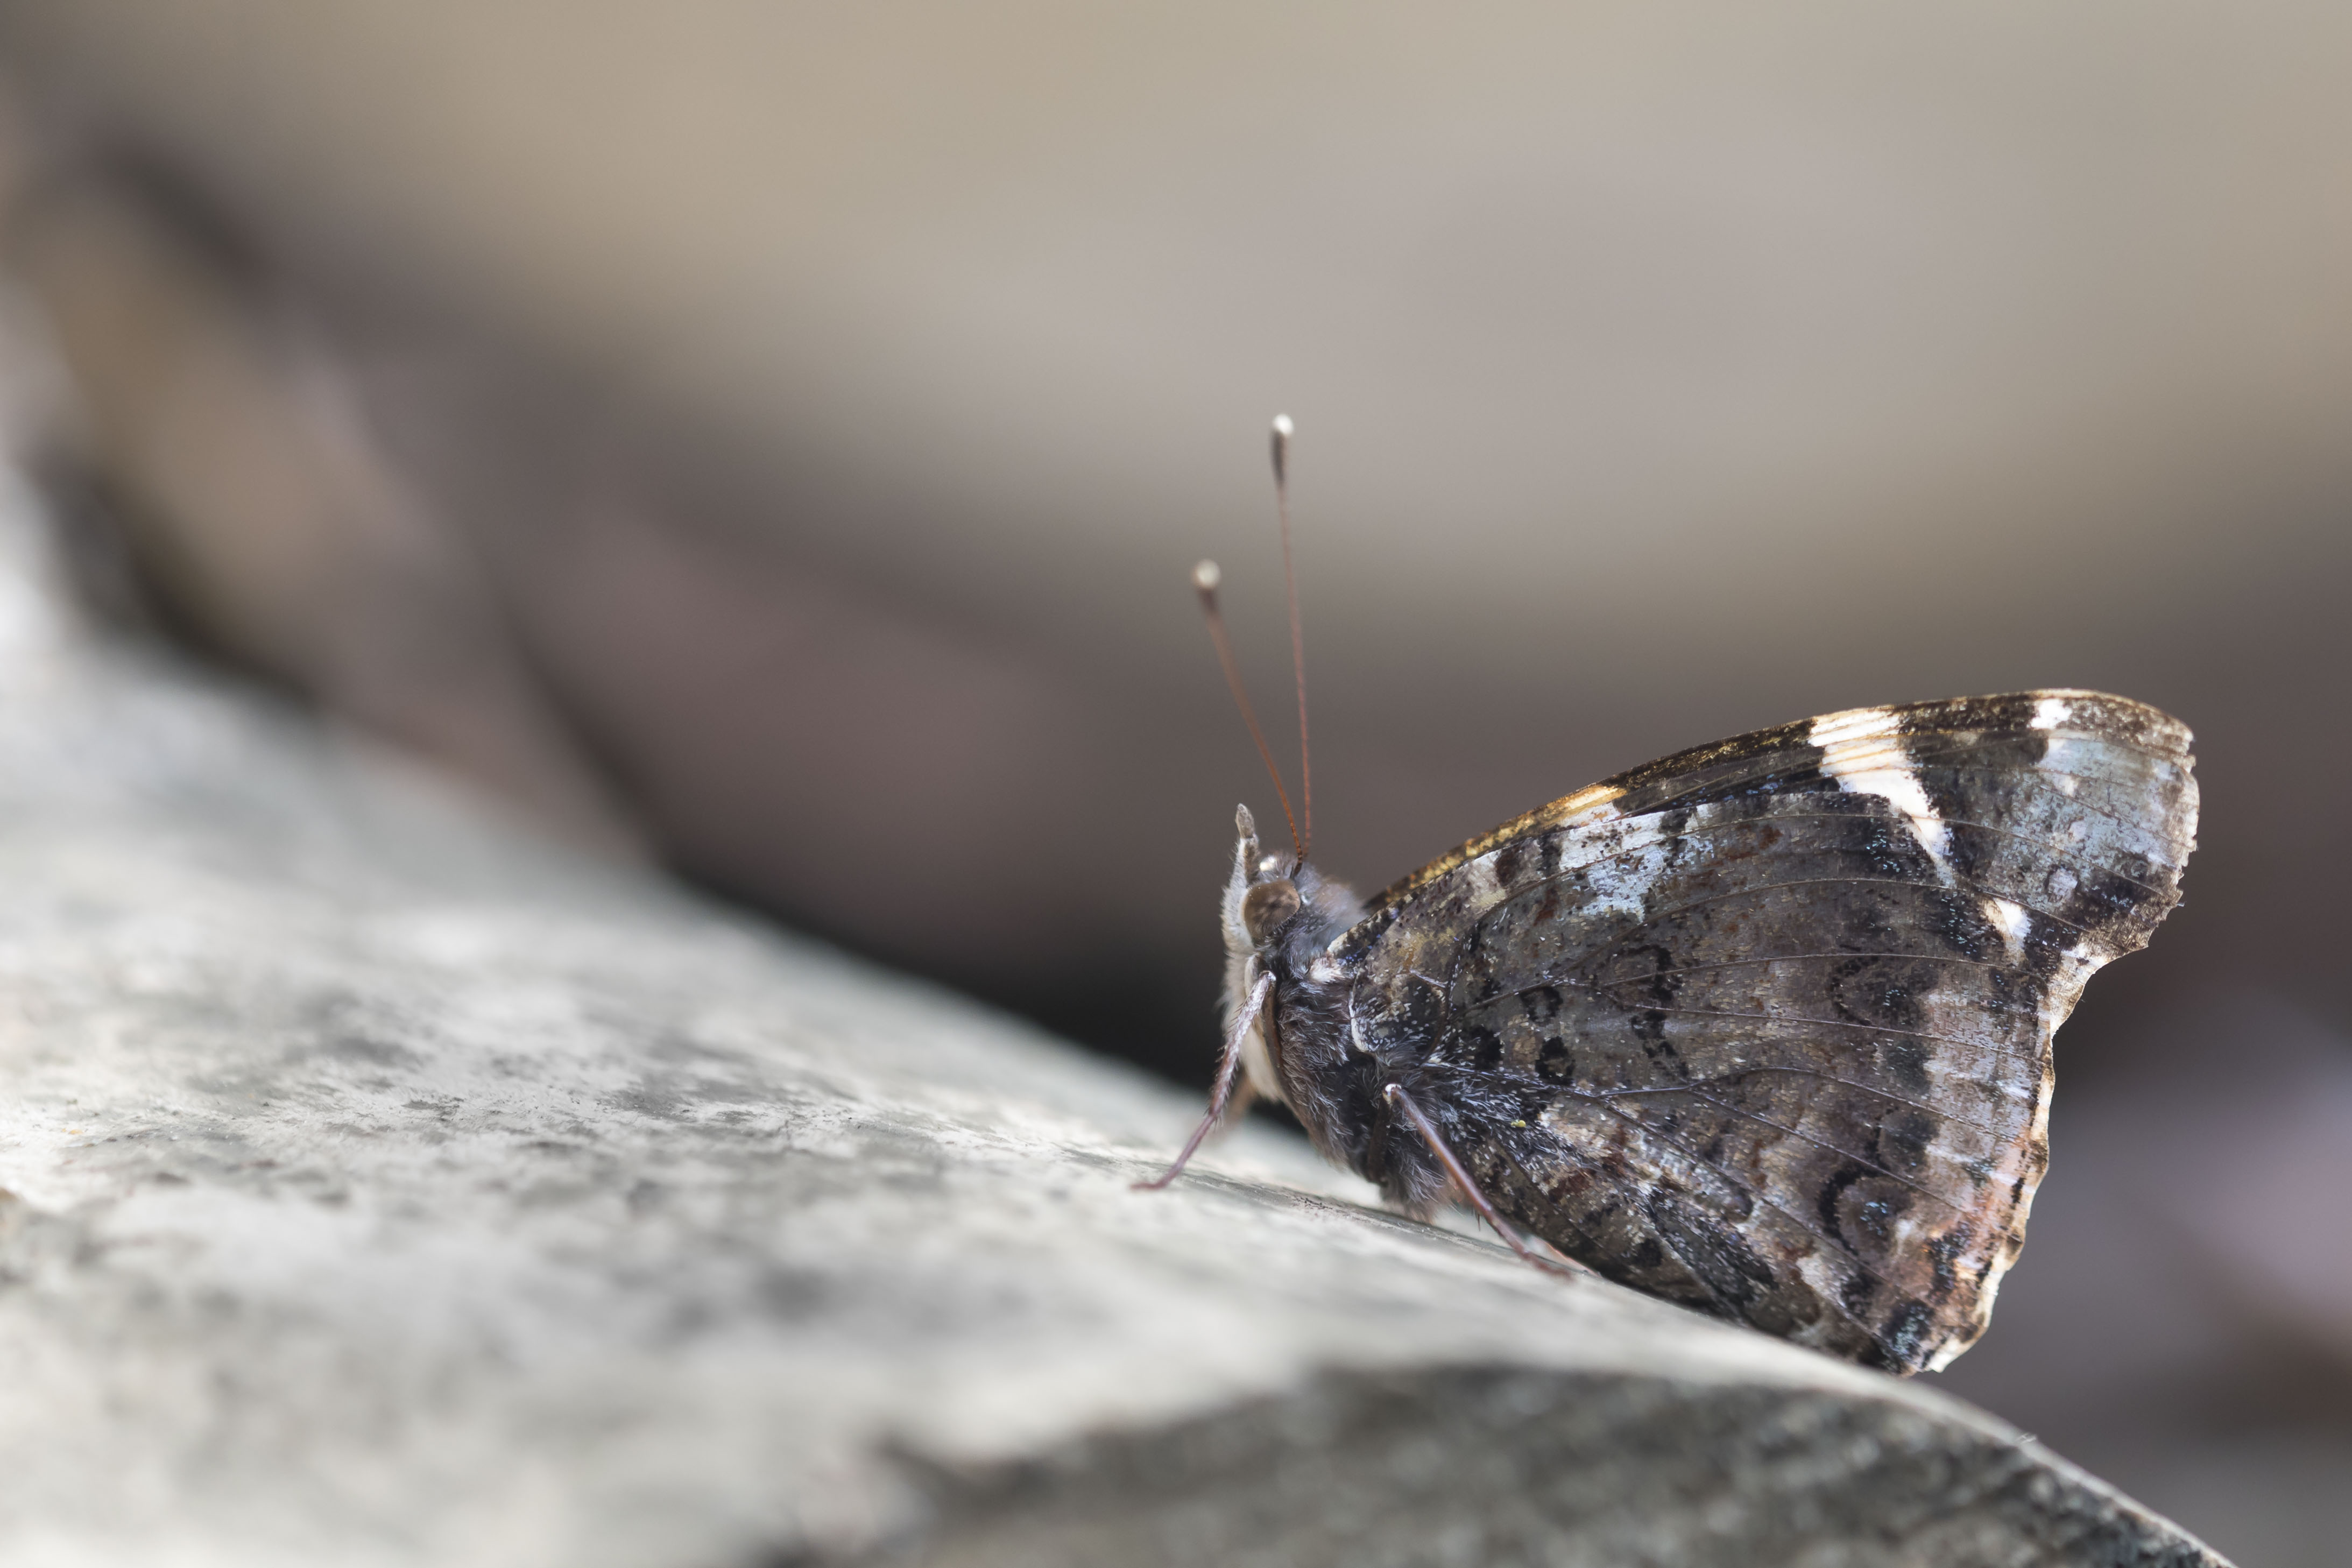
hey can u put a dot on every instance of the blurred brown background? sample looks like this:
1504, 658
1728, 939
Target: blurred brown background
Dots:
771, 439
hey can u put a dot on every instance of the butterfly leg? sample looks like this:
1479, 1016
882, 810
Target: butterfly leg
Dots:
1396, 1096
1228, 1070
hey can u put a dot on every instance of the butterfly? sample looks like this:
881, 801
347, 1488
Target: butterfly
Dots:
1763, 1028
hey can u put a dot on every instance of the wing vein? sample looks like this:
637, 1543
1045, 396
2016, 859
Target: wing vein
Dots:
1893, 1099
1964, 888
1819, 1024
1843, 1153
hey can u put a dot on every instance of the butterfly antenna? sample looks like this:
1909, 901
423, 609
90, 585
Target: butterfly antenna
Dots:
1206, 578
1301, 842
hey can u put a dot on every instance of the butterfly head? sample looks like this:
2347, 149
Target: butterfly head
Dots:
1280, 914
1260, 900
1272, 903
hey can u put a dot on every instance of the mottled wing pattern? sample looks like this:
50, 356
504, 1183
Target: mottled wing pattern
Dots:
1764, 1027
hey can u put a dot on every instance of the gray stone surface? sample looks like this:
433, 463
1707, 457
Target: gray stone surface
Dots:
383, 1187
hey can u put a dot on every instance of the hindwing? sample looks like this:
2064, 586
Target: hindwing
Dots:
1765, 1026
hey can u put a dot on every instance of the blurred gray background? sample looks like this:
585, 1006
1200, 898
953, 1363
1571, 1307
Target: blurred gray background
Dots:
773, 439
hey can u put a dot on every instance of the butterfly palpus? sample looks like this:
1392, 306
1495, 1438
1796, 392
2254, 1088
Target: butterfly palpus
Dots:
1763, 1027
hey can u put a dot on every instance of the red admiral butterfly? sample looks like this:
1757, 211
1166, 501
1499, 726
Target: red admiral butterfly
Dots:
1763, 1027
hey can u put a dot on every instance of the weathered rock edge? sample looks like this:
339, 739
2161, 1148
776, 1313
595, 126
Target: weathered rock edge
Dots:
386, 1188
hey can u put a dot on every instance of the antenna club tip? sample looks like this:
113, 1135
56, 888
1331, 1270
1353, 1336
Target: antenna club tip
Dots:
1283, 426
1206, 576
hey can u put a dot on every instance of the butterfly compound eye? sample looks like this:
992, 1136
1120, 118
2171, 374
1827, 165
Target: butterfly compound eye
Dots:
1267, 907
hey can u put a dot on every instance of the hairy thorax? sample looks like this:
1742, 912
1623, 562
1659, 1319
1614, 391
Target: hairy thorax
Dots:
1285, 920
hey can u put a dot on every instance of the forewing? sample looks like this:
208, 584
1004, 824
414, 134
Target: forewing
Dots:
1765, 1026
